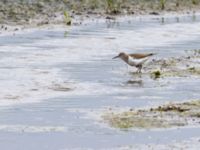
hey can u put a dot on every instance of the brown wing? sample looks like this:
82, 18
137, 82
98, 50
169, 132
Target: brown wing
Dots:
139, 56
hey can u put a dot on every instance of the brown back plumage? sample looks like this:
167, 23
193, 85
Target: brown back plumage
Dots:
139, 56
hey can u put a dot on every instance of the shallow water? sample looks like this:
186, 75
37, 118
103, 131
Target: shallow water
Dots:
35, 67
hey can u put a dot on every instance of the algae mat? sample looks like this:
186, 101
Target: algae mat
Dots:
166, 116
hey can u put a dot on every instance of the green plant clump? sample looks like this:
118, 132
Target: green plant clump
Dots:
156, 74
113, 6
67, 18
165, 116
162, 4
194, 2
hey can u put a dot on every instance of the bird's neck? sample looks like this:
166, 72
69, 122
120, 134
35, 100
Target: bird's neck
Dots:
125, 58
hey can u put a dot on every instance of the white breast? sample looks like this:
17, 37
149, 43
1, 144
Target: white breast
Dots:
136, 62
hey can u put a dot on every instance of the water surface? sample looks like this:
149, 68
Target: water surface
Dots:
36, 65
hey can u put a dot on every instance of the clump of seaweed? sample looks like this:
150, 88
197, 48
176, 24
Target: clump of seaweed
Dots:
162, 4
128, 120
177, 3
166, 116
169, 108
156, 74
67, 18
113, 6
183, 66
195, 2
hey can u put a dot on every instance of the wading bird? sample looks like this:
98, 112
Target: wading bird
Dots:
136, 60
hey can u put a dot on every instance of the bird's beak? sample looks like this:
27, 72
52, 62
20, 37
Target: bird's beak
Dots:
115, 57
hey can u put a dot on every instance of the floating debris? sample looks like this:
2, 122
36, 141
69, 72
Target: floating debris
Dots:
59, 87
137, 82
12, 97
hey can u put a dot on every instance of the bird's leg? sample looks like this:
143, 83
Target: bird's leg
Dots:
137, 70
140, 69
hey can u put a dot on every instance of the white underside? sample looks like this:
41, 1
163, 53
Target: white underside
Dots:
136, 62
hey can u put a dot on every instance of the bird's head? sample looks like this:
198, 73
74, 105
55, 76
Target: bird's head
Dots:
121, 55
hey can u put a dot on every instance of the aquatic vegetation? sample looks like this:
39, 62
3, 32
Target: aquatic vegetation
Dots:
125, 121
192, 71
162, 4
67, 18
195, 52
113, 6
195, 2
110, 5
177, 3
171, 107
166, 116
183, 66
156, 74
94, 4
66, 34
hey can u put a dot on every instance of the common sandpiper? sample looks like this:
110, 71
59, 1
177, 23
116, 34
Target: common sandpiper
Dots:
136, 60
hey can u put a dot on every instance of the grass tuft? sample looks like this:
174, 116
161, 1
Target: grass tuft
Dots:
67, 18
162, 4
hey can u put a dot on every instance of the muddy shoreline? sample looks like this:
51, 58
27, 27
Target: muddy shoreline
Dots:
17, 15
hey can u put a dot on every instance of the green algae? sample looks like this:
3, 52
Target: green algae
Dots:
183, 66
162, 4
133, 120
113, 6
166, 116
67, 18
156, 74
187, 72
